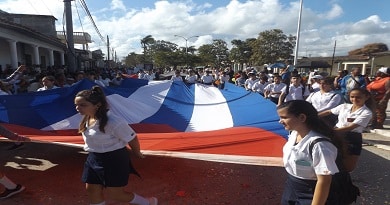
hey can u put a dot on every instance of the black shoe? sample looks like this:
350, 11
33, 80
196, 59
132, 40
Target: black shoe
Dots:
16, 146
10, 192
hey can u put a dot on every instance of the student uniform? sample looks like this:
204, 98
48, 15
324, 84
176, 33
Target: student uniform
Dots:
191, 78
249, 83
303, 169
361, 117
259, 87
295, 93
108, 162
176, 78
207, 79
324, 101
273, 87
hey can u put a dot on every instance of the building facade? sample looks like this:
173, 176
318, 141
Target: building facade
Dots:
30, 40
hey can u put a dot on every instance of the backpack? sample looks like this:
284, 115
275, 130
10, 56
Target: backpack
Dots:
288, 91
342, 189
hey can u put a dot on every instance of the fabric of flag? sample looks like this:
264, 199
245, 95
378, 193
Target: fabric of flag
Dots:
167, 115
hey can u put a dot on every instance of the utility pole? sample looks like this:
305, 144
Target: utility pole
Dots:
69, 37
334, 51
108, 52
298, 34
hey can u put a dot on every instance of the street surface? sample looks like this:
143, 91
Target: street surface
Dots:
51, 174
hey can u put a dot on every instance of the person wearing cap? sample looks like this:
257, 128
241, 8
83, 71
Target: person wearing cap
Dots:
380, 91
315, 83
351, 81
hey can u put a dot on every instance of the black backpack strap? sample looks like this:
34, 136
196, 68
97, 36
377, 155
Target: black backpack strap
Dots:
312, 143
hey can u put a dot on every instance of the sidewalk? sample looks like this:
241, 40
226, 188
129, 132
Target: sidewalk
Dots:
380, 137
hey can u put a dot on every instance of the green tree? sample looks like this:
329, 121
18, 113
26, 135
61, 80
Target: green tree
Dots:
272, 46
145, 43
240, 52
215, 54
133, 59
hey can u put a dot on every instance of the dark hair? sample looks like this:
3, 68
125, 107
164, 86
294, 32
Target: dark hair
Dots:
328, 80
370, 102
297, 107
95, 96
295, 75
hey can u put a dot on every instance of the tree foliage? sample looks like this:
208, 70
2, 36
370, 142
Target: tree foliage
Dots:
145, 43
241, 51
269, 47
215, 54
133, 59
272, 46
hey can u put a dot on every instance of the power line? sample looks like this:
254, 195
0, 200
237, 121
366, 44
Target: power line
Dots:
33, 7
81, 24
86, 10
47, 7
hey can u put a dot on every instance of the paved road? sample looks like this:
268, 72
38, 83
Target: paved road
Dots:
51, 174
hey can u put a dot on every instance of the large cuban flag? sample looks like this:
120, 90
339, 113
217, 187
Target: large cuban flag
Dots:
171, 118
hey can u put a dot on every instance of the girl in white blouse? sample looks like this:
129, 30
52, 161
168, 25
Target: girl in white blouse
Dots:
309, 176
352, 119
106, 138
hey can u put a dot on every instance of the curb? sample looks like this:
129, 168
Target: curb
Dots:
377, 145
383, 132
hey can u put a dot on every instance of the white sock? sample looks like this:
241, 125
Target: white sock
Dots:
7, 183
139, 200
101, 203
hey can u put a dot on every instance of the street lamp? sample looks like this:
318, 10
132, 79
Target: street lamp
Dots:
186, 39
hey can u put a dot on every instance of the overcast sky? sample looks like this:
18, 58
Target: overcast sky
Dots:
351, 23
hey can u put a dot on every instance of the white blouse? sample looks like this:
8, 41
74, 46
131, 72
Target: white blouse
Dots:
117, 135
298, 162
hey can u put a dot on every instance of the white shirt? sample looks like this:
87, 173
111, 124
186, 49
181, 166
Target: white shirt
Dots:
273, 87
148, 76
249, 83
2, 92
295, 93
361, 116
176, 78
45, 88
191, 78
298, 162
324, 101
259, 87
117, 135
207, 79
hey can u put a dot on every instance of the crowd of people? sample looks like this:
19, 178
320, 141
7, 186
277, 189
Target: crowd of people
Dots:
330, 107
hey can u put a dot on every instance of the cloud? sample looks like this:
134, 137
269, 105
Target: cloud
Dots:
126, 26
334, 13
118, 4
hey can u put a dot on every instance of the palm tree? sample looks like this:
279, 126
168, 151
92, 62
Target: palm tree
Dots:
145, 42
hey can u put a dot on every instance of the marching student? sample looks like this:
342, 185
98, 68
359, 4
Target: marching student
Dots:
309, 173
295, 91
106, 137
352, 119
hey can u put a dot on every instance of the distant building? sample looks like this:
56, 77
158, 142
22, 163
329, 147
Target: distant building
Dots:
33, 40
